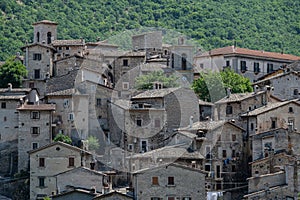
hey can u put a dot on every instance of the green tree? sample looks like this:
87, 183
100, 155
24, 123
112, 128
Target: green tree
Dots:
211, 86
62, 138
93, 143
12, 72
145, 82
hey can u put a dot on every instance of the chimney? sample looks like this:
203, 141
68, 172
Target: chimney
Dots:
255, 89
268, 90
228, 92
191, 121
9, 86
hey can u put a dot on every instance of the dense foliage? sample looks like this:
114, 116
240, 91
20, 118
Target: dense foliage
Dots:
146, 81
62, 138
12, 72
93, 143
270, 25
212, 86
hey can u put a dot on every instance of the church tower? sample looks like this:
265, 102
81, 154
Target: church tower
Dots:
45, 32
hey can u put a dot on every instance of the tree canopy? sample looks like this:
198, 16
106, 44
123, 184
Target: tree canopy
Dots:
211, 86
12, 72
213, 23
93, 143
62, 138
146, 81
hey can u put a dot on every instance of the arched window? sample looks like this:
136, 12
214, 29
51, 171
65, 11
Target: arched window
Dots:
48, 37
38, 37
183, 61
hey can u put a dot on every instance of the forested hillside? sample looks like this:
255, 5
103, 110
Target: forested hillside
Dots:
271, 25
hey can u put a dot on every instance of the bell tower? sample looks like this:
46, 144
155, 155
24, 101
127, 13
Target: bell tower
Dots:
45, 32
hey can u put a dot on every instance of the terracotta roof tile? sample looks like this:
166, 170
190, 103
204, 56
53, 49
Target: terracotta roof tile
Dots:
242, 51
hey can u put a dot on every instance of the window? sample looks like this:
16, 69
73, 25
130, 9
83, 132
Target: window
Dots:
38, 37
37, 56
35, 130
35, 145
243, 66
66, 103
233, 168
207, 167
224, 153
291, 110
227, 63
125, 62
186, 198
59, 48
171, 198
218, 169
98, 102
256, 68
71, 116
296, 92
125, 85
207, 152
3, 105
252, 126
228, 110
171, 180
130, 147
233, 137
201, 65
155, 180
273, 122
71, 161
269, 68
5, 118
67, 48
144, 146
183, 62
37, 74
49, 37
233, 153
156, 198
139, 122
41, 162
41, 181
291, 122
35, 115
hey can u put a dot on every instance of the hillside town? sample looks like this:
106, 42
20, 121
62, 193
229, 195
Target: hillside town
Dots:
162, 143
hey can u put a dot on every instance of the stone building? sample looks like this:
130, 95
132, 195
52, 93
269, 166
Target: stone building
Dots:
66, 48
252, 64
50, 160
285, 82
35, 130
113, 195
10, 99
76, 194
222, 144
170, 182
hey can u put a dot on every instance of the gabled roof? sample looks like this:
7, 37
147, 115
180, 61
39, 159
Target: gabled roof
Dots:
279, 75
64, 82
60, 144
209, 125
268, 107
80, 191
67, 92
205, 103
237, 97
113, 193
166, 165
68, 43
232, 50
50, 107
15, 90
12, 97
159, 93
38, 44
45, 22
81, 168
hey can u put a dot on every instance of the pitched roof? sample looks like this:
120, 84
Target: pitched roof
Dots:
112, 193
38, 44
76, 190
238, 97
169, 164
61, 144
67, 92
155, 93
15, 90
45, 22
268, 107
242, 51
11, 97
68, 42
63, 82
209, 125
187, 134
205, 103
37, 107
277, 76
81, 168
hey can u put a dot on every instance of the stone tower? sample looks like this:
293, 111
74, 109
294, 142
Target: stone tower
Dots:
44, 32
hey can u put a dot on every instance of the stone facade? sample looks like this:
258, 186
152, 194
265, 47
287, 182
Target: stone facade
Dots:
252, 64
169, 181
50, 160
35, 130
